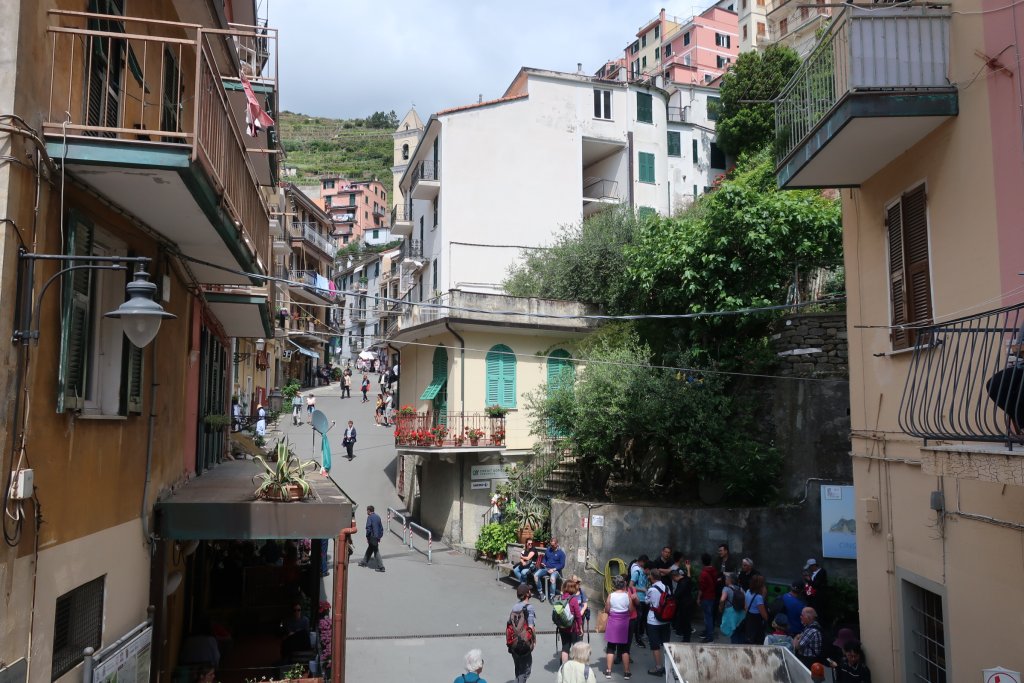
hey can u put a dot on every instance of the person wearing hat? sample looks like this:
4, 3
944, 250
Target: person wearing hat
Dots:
852, 668
834, 651
816, 588
780, 633
261, 420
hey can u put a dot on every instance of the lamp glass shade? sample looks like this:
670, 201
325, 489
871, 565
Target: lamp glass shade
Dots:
140, 315
261, 344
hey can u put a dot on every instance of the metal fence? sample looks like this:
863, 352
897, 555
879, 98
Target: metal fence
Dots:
449, 430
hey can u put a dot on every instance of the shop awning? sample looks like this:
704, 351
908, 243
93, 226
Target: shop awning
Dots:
433, 389
220, 504
304, 351
242, 313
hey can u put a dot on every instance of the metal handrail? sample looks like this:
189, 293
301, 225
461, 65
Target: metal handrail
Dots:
966, 379
392, 512
413, 526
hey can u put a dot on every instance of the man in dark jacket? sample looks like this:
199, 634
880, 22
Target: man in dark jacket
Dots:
816, 587
348, 440
374, 534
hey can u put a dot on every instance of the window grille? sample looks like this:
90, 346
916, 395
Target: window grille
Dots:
77, 624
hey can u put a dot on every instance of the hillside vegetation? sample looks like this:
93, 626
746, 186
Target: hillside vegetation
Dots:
357, 149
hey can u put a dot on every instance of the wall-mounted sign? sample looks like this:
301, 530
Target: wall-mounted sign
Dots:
1000, 675
129, 663
474, 485
496, 471
838, 522
597, 520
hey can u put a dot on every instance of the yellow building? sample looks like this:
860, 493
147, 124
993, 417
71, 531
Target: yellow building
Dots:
461, 354
923, 133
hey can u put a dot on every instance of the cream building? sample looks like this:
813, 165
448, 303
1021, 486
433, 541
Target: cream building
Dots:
795, 24
925, 138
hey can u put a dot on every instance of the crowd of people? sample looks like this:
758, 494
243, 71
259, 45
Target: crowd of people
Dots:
656, 598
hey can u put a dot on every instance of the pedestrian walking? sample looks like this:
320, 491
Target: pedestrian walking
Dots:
732, 607
297, 408
659, 630
261, 420
474, 665
374, 534
568, 619
348, 440
520, 634
707, 592
576, 669
310, 405
364, 387
346, 384
640, 581
388, 404
616, 633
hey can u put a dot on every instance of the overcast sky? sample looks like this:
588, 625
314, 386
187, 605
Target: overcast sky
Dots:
349, 58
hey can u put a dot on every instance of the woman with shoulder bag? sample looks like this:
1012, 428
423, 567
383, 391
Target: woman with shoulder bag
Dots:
756, 611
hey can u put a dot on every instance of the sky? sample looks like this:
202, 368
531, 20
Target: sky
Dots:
350, 58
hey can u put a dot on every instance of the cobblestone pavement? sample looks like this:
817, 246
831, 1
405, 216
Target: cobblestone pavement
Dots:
416, 621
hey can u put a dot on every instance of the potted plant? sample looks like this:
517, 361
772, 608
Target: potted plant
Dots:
498, 436
286, 480
458, 440
217, 421
495, 537
474, 435
438, 434
496, 411
407, 411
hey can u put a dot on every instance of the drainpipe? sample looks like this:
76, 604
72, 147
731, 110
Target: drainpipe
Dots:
462, 460
340, 606
629, 165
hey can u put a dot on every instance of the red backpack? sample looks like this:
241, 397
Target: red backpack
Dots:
519, 637
666, 607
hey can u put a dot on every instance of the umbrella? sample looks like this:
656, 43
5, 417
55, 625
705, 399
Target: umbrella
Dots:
367, 355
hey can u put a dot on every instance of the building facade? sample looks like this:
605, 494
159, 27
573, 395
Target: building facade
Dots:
357, 207
698, 50
752, 23
796, 24
695, 162
928, 150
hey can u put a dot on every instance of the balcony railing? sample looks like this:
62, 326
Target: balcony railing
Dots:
412, 249
966, 380
308, 279
379, 211
401, 214
449, 430
678, 114
358, 314
111, 83
308, 232
858, 53
600, 188
429, 170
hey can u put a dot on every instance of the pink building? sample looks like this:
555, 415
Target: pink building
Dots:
357, 207
700, 49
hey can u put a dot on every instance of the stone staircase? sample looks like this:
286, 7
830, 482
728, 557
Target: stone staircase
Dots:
561, 480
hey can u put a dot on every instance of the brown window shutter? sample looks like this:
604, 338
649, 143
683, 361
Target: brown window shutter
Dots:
897, 288
915, 256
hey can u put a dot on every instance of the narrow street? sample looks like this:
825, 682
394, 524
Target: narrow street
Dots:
415, 617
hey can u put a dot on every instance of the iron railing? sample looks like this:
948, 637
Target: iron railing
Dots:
106, 82
966, 379
308, 279
412, 249
885, 50
600, 188
678, 114
428, 169
401, 214
449, 430
307, 232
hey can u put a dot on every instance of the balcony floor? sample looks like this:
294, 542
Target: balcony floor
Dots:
863, 134
160, 185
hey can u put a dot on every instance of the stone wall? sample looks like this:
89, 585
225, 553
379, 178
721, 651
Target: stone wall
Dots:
811, 345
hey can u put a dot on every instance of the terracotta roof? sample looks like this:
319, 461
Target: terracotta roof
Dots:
481, 104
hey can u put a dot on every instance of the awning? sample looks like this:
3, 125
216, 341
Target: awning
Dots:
304, 351
220, 504
242, 314
433, 389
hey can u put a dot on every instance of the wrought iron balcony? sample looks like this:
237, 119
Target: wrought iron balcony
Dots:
412, 249
874, 86
678, 114
308, 233
426, 177
449, 429
966, 380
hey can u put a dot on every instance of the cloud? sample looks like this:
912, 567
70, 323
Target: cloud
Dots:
350, 58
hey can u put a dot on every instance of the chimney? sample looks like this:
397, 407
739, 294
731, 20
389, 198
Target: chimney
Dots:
579, 67
479, 98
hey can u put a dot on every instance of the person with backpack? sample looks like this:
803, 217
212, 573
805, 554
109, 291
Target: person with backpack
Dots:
732, 606
577, 669
474, 665
568, 616
661, 609
520, 636
756, 611
639, 580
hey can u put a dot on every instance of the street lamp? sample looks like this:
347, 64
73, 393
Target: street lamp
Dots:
141, 315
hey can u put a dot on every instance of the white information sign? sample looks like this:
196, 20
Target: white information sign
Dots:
581, 555
489, 471
1000, 675
129, 663
597, 520
485, 484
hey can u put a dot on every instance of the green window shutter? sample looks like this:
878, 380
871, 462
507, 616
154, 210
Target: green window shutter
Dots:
646, 164
560, 370
440, 363
74, 337
501, 377
644, 108
132, 374
674, 145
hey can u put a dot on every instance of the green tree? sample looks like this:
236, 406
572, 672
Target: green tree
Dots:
746, 116
586, 263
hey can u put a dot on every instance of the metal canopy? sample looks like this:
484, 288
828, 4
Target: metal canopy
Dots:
304, 351
220, 505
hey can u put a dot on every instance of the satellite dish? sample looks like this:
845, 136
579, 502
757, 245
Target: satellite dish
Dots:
320, 422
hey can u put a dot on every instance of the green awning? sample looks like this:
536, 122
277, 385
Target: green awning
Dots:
433, 389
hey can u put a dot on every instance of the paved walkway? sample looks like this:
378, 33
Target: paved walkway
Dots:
416, 621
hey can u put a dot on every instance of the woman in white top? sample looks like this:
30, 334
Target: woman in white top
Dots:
616, 633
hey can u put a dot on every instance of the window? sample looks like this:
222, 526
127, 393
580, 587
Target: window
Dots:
328, 184
686, 59
657, 31
602, 104
804, 13
714, 105
674, 145
645, 212
722, 40
760, 29
366, 215
405, 152
501, 377
77, 624
695, 158
717, 159
643, 40
635, 68
723, 61
100, 371
744, 5
643, 61
644, 108
909, 277
376, 266
646, 164
745, 34
783, 27
366, 199
434, 268
327, 201
351, 200
439, 376
924, 634
375, 234
657, 53
686, 38
694, 191
634, 48
668, 50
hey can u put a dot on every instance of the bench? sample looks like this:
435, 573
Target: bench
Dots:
503, 570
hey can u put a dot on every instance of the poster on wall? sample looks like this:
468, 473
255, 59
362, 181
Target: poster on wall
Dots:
128, 663
838, 522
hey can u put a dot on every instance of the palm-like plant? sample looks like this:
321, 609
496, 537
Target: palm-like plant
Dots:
277, 481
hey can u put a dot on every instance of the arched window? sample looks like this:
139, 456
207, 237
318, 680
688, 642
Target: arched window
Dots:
561, 370
501, 377
405, 152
